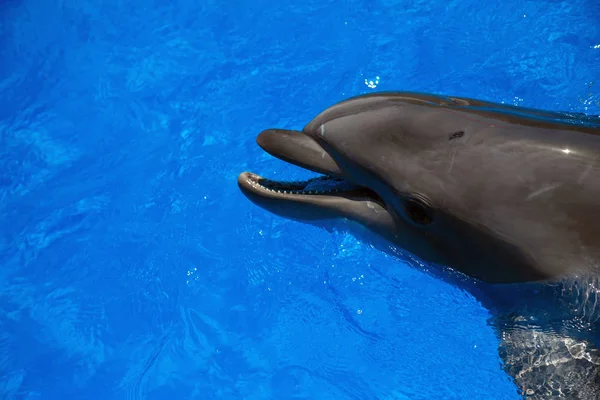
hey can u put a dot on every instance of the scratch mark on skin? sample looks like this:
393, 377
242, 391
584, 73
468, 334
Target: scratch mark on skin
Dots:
462, 142
452, 160
542, 191
587, 171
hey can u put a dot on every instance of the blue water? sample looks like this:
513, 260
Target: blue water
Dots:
132, 266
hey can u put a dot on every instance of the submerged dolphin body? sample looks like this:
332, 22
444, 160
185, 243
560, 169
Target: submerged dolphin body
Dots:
506, 196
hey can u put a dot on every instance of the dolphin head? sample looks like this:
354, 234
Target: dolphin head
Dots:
414, 169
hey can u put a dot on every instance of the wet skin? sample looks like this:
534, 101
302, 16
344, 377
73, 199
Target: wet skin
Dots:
505, 198
499, 193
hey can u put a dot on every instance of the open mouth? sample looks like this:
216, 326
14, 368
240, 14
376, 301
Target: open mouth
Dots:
299, 149
319, 186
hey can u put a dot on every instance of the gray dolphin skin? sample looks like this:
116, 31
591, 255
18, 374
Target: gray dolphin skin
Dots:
506, 197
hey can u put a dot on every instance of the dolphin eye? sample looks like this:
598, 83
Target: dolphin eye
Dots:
418, 212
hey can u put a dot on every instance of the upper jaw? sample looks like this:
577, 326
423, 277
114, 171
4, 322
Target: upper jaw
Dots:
298, 148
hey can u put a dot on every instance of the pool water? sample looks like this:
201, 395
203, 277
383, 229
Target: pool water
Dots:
132, 266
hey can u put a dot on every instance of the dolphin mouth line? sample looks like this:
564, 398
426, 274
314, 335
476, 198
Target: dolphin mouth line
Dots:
323, 185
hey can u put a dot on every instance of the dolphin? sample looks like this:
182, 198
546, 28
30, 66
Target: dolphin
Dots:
502, 198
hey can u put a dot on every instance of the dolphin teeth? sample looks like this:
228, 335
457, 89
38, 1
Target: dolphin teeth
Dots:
297, 187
